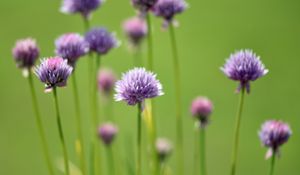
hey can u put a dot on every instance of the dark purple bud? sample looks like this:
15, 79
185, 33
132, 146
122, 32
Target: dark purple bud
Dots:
143, 5
84, 7
201, 108
135, 29
106, 81
107, 133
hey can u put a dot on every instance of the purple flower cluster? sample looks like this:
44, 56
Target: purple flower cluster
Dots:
244, 66
273, 134
201, 108
107, 133
84, 7
167, 9
25, 53
100, 40
54, 72
71, 46
106, 80
143, 5
136, 29
137, 85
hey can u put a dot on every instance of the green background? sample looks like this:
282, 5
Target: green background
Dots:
209, 31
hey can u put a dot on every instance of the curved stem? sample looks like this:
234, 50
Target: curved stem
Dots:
139, 140
40, 124
61, 134
149, 42
237, 131
179, 140
272, 164
81, 150
202, 152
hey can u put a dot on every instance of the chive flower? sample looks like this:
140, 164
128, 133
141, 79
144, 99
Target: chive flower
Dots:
71, 46
163, 148
273, 134
100, 40
106, 81
107, 133
244, 66
135, 29
201, 109
84, 7
167, 9
54, 72
143, 5
137, 85
25, 53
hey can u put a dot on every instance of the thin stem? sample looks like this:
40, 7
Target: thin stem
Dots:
149, 42
110, 158
61, 134
237, 131
139, 140
272, 164
162, 168
81, 151
196, 150
202, 152
40, 124
95, 93
86, 24
179, 140
137, 56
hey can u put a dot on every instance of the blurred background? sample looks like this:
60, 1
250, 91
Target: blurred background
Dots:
209, 31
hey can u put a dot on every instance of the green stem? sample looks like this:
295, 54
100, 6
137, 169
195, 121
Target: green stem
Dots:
139, 140
39, 124
149, 42
137, 56
179, 140
272, 164
61, 134
81, 151
202, 152
237, 131
110, 157
86, 24
196, 150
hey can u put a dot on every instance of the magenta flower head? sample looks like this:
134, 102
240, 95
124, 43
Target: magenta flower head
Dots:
71, 46
163, 148
106, 81
137, 85
201, 109
135, 29
107, 133
84, 7
244, 66
273, 134
143, 5
54, 72
25, 53
100, 40
167, 9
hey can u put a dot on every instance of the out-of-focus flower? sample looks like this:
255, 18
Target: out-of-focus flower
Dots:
106, 81
84, 7
163, 148
201, 108
143, 5
135, 29
107, 133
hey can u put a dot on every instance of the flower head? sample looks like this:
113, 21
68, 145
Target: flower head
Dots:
106, 81
167, 9
244, 66
25, 53
107, 133
84, 7
273, 134
71, 46
201, 108
163, 148
136, 29
54, 72
143, 5
100, 40
137, 85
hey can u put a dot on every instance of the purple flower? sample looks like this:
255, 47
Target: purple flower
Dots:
100, 40
273, 134
84, 7
143, 5
106, 81
201, 108
137, 85
71, 46
136, 29
25, 53
244, 66
107, 133
54, 72
163, 148
167, 9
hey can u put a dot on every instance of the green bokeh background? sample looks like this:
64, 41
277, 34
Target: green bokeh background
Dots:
209, 31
